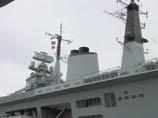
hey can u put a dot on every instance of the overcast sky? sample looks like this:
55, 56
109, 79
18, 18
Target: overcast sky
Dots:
24, 23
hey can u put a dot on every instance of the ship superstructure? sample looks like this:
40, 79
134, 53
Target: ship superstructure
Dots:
129, 91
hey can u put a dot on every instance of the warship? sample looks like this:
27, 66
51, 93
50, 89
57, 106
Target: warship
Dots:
129, 91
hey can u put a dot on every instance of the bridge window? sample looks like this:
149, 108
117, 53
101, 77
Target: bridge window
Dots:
88, 102
110, 99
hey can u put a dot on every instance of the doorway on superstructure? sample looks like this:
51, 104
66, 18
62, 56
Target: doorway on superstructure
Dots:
57, 111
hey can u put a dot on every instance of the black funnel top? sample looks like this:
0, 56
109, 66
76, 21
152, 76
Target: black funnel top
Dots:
83, 50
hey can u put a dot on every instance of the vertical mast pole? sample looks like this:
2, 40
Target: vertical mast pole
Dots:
57, 65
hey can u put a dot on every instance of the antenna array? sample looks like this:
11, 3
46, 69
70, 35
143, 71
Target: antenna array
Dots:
59, 38
122, 13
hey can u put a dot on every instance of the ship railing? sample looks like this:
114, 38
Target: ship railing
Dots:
116, 72
20, 117
100, 76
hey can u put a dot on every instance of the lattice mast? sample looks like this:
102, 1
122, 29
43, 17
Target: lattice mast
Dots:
133, 51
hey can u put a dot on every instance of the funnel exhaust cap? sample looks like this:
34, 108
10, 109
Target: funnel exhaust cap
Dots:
83, 50
73, 52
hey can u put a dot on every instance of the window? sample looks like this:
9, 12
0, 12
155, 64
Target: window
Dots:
141, 95
126, 97
88, 102
125, 92
92, 116
110, 99
134, 96
119, 98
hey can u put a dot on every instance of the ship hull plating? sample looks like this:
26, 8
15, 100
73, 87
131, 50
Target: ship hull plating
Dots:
133, 96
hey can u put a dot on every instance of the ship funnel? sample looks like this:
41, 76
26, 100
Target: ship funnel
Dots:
81, 63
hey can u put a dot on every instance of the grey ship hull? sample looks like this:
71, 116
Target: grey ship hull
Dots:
119, 93
135, 95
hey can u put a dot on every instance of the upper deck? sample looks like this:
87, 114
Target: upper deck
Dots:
103, 78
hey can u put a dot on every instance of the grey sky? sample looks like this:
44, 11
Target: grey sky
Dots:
24, 22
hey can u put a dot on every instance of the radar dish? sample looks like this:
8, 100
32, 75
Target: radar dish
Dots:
42, 56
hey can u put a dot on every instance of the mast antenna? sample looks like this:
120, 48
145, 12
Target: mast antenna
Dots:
59, 38
121, 14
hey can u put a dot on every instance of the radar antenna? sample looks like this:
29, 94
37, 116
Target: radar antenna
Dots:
122, 2
119, 14
122, 13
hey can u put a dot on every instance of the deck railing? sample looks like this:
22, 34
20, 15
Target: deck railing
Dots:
108, 74
105, 75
